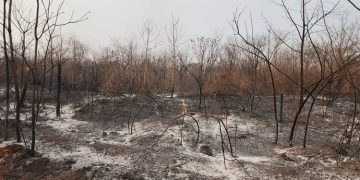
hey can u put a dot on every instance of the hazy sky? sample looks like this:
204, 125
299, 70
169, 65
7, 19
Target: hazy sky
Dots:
124, 19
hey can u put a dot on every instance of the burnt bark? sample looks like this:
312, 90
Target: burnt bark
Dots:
58, 92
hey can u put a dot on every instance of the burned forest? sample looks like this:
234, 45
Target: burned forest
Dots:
265, 99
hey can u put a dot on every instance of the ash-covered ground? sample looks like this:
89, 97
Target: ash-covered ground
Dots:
159, 137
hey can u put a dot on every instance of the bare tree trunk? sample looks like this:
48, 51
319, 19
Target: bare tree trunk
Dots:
200, 96
34, 88
310, 110
33, 121
281, 112
325, 84
24, 72
275, 104
173, 77
58, 93
51, 68
7, 74
307, 122
24, 90
17, 119
302, 48
23, 51
14, 73
292, 131
8, 81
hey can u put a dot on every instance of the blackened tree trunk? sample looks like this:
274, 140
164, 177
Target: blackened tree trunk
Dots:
302, 53
34, 88
58, 94
51, 78
24, 90
7, 75
8, 81
14, 71
281, 112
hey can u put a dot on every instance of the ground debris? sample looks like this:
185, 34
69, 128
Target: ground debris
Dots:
205, 149
286, 158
